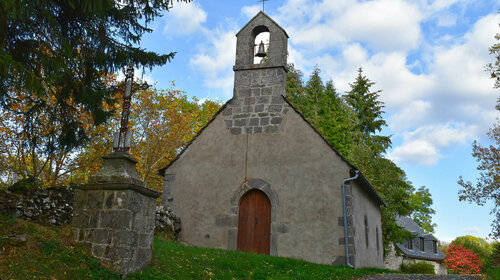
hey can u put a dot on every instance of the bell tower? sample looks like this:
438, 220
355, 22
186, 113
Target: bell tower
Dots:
257, 105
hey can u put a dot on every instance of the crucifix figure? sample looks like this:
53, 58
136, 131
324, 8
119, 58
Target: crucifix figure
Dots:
121, 143
263, 1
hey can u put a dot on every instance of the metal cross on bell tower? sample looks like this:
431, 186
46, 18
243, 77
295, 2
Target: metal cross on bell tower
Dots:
121, 143
263, 1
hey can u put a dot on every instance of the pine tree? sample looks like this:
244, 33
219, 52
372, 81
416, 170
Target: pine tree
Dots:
350, 125
295, 86
314, 90
62, 50
368, 110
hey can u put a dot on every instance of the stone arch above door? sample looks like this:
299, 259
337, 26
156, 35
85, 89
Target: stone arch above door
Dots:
231, 221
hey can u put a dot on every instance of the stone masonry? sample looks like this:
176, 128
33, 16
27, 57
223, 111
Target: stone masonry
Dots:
48, 206
114, 215
258, 105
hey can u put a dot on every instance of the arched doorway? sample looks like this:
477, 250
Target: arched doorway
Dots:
254, 222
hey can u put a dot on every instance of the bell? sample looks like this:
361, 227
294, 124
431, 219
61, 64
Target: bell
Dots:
262, 51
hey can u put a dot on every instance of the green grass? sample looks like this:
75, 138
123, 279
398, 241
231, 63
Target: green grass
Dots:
50, 254
47, 254
182, 262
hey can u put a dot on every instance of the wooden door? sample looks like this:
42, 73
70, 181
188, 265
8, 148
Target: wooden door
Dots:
254, 223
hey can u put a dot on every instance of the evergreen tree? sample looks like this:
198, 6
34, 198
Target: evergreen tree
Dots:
315, 91
322, 106
369, 113
62, 50
350, 125
295, 87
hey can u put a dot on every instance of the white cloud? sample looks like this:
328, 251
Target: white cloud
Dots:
447, 20
414, 112
422, 145
431, 8
453, 96
215, 62
385, 24
184, 18
382, 24
250, 11
473, 230
447, 240
417, 151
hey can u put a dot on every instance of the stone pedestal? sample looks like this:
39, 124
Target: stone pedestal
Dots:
114, 215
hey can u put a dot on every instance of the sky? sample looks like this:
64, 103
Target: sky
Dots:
426, 56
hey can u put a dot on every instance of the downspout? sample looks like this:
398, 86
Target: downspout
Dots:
346, 239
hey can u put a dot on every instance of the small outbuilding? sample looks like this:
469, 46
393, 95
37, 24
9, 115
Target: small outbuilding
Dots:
422, 248
259, 177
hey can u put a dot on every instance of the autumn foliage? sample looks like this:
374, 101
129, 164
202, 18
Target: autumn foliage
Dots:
462, 261
162, 123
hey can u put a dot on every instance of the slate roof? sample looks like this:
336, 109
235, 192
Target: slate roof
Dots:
428, 253
361, 178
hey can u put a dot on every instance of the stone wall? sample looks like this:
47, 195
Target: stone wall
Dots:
166, 220
393, 261
54, 207
51, 206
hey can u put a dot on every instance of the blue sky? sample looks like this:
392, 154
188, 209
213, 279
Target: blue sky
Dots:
426, 56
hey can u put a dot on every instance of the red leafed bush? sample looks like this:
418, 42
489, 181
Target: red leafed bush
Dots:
462, 261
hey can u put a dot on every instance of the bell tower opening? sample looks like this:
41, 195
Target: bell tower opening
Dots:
259, 78
260, 51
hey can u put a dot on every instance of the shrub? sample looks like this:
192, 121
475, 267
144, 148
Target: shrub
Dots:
476, 244
460, 260
418, 268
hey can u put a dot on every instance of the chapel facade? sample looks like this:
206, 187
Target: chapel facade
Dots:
259, 177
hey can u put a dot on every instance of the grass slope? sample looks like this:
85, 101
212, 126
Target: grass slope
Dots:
50, 254
181, 262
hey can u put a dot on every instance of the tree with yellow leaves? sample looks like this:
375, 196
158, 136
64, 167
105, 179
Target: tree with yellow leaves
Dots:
162, 122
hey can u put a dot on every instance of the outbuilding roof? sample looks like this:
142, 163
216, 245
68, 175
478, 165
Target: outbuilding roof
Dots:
410, 225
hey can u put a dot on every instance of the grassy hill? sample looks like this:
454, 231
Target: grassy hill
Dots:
31, 251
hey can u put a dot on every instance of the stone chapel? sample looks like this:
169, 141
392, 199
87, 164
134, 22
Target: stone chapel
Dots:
259, 177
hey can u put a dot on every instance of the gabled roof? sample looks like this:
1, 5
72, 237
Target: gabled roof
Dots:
264, 14
361, 179
410, 225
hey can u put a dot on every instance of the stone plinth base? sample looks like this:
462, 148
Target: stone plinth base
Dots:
115, 219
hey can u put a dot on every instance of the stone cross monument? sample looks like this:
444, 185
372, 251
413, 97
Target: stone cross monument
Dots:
114, 214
